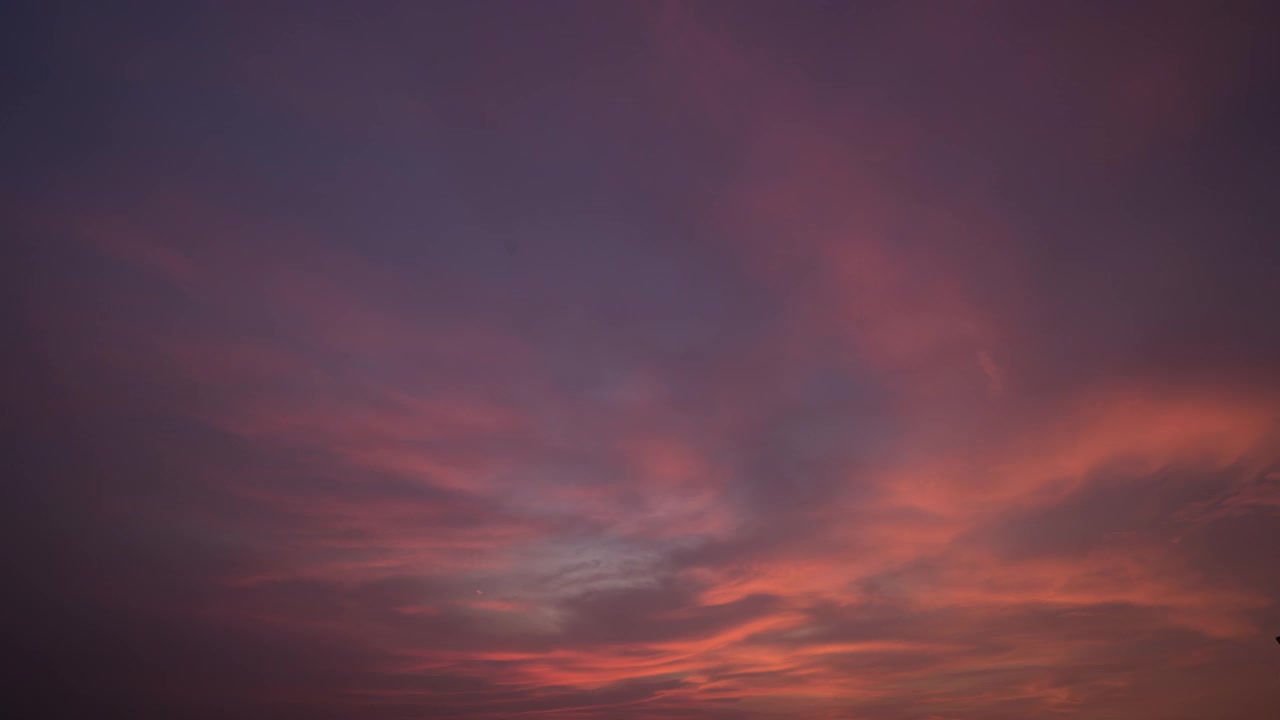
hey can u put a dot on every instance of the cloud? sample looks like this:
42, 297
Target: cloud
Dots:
796, 399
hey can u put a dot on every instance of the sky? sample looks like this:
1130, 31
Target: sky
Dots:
641, 360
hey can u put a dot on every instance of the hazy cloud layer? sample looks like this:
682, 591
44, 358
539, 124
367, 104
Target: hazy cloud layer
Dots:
643, 360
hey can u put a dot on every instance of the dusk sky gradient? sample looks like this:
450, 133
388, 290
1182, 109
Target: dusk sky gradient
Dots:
626, 360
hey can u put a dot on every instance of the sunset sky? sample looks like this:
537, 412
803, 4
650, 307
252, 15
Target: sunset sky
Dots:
623, 360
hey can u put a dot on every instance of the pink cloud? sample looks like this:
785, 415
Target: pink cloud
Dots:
867, 482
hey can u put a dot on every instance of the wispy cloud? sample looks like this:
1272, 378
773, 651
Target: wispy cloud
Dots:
777, 392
